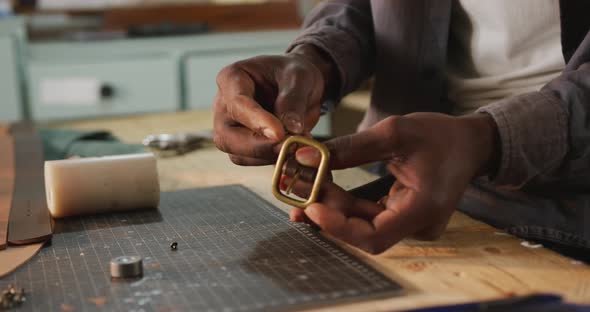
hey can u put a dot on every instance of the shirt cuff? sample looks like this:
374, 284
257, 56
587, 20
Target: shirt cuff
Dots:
533, 131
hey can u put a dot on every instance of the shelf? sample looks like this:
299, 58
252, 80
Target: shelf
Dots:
235, 16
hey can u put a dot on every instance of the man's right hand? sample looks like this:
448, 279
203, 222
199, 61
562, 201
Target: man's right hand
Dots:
261, 99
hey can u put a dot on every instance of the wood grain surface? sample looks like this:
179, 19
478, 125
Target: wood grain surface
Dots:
472, 261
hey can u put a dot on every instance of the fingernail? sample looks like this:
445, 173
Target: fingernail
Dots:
308, 156
270, 134
295, 215
293, 123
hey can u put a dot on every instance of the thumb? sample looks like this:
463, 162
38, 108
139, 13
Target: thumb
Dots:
290, 108
377, 143
297, 93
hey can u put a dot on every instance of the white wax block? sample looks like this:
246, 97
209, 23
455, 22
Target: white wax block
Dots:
70, 91
93, 185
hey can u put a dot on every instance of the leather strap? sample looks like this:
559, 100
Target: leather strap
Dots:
29, 220
6, 184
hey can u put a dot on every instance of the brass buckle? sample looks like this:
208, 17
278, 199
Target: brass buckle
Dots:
319, 179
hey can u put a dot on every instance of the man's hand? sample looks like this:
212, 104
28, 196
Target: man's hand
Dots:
432, 156
262, 98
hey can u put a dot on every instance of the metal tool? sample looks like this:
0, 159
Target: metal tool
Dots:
12, 297
126, 267
178, 143
319, 179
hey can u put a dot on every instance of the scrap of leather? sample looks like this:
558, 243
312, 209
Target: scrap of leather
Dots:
21, 154
29, 220
14, 256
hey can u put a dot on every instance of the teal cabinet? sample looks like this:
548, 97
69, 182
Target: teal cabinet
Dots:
71, 80
12, 50
201, 70
104, 87
10, 96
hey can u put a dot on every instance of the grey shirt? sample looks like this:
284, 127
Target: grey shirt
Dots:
545, 135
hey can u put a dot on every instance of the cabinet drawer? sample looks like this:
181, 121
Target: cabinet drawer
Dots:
10, 103
201, 72
106, 87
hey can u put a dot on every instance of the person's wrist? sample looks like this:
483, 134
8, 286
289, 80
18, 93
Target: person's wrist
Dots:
322, 62
484, 140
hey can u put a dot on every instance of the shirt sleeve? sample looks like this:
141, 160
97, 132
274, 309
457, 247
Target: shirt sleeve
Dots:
343, 30
545, 135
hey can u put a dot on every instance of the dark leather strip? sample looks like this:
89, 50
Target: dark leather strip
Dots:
374, 190
29, 217
6, 184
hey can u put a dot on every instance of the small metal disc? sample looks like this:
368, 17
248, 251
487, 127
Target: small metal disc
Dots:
126, 266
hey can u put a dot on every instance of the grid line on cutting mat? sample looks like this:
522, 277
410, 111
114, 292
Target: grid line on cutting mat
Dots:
236, 252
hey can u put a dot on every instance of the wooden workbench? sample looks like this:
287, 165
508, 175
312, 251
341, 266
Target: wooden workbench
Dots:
472, 261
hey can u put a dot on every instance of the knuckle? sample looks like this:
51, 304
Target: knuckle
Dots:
218, 104
220, 142
291, 96
296, 69
234, 109
230, 110
226, 73
390, 127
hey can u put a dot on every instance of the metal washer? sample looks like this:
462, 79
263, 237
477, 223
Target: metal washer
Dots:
126, 267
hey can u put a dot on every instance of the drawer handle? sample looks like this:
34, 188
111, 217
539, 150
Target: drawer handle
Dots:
107, 91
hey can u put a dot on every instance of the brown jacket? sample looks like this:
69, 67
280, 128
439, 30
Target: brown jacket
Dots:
545, 135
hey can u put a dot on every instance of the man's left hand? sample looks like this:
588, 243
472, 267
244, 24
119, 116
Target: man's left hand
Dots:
433, 157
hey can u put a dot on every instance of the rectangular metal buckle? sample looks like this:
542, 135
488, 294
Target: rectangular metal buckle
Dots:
320, 176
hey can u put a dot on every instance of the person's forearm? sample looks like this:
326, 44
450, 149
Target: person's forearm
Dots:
485, 142
342, 33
